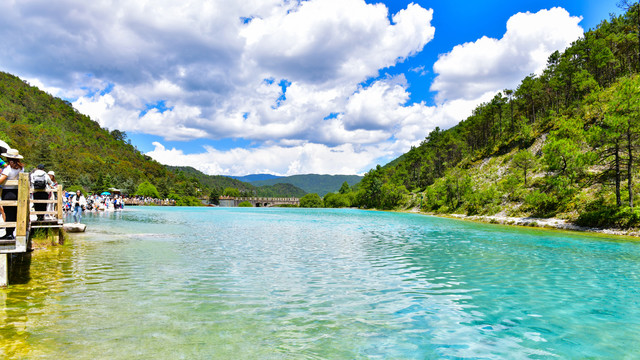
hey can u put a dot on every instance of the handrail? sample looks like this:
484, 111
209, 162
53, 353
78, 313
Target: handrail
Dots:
23, 204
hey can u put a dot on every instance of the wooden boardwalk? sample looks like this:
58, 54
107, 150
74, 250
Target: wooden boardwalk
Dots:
23, 223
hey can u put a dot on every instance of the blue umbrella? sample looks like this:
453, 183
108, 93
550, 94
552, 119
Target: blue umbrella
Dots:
106, 193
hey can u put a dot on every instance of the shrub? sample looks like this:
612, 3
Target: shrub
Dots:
147, 189
333, 200
483, 201
245, 204
541, 204
610, 217
188, 201
233, 192
311, 201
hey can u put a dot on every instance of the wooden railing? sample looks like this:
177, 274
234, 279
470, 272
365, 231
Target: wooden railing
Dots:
23, 224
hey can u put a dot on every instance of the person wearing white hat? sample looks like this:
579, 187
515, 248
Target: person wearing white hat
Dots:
10, 192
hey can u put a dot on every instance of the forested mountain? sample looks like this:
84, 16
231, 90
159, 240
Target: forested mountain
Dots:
564, 143
212, 181
48, 130
255, 177
312, 183
278, 189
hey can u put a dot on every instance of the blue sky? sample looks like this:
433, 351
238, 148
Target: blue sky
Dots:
460, 22
283, 87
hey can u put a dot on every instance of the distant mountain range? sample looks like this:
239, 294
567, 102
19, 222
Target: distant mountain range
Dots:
222, 182
312, 183
273, 185
255, 177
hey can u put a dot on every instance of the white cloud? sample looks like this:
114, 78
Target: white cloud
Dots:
472, 69
335, 41
280, 160
322, 48
219, 68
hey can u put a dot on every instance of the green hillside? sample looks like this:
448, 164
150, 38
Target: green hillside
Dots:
49, 130
563, 144
213, 181
312, 183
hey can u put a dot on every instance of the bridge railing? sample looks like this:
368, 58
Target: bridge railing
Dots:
253, 198
142, 202
257, 201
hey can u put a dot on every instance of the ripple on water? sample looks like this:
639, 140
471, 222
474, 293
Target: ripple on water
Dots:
321, 284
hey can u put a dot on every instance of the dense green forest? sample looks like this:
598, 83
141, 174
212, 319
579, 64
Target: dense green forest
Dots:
48, 130
562, 144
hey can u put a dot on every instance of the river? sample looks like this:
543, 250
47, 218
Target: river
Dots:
277, 283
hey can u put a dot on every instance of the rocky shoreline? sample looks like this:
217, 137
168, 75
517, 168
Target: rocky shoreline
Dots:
550, 223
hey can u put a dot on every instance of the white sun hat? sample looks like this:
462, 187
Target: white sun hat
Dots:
12, 154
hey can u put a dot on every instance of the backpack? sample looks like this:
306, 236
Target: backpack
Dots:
39, 181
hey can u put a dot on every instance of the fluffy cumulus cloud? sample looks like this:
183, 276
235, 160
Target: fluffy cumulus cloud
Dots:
281, 160
303, 81
473, 69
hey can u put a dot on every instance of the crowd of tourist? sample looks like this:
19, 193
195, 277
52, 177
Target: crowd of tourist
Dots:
94, 202
43, 186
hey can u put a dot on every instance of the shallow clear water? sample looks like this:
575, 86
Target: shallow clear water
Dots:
234, 283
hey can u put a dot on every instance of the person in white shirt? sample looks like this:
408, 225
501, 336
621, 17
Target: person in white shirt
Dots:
78, 203
54, 194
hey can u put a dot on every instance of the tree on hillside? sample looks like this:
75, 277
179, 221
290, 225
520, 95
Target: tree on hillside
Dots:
370, 194
43, 154
119, 135
524, 161
632, 6
311, 201
214, 197
624, 114
147, 189
233, 192
563, 151
616, 117
345, 188
333, 200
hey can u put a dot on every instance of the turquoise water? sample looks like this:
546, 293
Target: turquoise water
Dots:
235, 283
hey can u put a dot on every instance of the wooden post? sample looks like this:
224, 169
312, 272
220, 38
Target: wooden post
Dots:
4, 270
59, 204
22, 216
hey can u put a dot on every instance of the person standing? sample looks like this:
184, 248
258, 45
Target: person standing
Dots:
54, 193
41, 183
2, 166
78, 203
10, 192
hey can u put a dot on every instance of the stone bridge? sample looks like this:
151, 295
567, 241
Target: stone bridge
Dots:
230, 201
